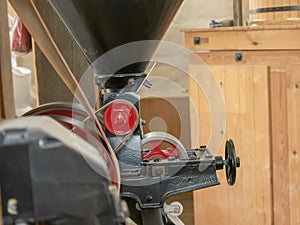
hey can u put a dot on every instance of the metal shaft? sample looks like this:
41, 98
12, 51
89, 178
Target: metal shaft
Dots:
238, 12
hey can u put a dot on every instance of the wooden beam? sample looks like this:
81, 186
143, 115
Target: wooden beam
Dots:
73, 55
249, 57
1, 214
247, 104
244, 38
7, 95
279, 154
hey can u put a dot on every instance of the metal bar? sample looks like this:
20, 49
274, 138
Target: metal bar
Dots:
238, 13
275, 9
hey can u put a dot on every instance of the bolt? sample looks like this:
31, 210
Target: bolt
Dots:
171, 159
193, 156
149, 198
197, 40
159, 172
238, 162
238, 57
202, 148
144, 122
12, 206
131, 81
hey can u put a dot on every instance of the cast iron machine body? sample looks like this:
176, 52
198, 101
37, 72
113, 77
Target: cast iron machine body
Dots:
161, 167
153, 166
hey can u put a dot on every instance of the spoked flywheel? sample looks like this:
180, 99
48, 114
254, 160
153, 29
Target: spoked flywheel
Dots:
74, 118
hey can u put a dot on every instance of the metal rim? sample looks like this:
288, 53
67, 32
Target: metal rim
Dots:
74, 118
164, 137
133, 113
275, 9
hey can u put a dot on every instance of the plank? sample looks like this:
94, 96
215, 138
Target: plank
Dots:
250, 57
262, 144
246, 99
1, 212
281, 22
294, 14
279, 3
293, 101
193, 108
201, 118
285, 115
245, 38
279, 129
7, 95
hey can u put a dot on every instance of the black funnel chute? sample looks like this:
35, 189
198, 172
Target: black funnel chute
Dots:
101, 25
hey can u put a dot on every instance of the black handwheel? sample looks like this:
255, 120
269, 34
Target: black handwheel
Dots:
231, 162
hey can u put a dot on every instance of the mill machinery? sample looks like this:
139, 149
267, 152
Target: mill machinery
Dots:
59, 166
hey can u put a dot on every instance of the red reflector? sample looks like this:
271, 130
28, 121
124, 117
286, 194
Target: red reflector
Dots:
120, 117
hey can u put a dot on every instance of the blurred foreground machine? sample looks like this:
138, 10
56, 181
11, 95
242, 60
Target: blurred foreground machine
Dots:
54, 166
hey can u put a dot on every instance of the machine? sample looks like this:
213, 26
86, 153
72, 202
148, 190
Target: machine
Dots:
63, 172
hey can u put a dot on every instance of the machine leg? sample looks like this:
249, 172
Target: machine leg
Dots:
152, 216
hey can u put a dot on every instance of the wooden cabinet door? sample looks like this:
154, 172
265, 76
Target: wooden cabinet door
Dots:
246, 95
285, 114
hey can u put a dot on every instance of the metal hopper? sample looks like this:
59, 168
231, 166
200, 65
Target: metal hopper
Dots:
101, 25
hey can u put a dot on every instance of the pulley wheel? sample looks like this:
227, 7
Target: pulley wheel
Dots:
74, 118
231, 162
160, 146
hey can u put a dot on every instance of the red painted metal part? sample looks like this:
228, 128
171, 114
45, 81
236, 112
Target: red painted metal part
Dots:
72, 118
120, 118
155, 151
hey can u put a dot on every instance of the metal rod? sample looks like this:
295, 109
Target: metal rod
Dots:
238, 13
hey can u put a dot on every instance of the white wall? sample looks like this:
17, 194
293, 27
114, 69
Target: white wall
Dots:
192, 14
199, 13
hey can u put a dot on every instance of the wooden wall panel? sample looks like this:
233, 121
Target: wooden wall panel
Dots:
173, 113
285, 114
167, 115
244, 38
293, 102
246, 97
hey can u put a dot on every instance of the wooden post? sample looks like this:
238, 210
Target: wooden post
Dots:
1, 215
6, 83
238, 12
